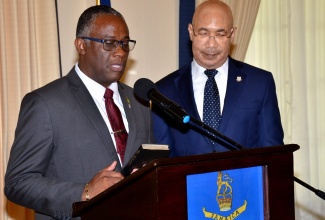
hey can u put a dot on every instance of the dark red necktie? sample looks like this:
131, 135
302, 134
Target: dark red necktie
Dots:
116, 121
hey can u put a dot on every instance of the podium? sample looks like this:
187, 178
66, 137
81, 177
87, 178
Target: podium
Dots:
159, 189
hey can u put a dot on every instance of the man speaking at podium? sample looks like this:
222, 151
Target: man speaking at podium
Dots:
66, 147
232, 97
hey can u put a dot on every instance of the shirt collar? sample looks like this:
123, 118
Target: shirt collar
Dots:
96, 90
198, 71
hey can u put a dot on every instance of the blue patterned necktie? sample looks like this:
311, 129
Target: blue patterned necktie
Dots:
211, 104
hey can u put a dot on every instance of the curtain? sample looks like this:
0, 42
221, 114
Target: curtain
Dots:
28, 59
288, 40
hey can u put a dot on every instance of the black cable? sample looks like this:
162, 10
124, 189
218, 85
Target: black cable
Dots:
58, 31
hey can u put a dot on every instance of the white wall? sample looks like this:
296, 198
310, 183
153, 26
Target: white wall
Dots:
152, 23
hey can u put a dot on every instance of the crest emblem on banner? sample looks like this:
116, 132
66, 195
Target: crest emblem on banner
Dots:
226, 194
224, 198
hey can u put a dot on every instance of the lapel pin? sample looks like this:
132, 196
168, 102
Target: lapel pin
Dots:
128, 101
238, 79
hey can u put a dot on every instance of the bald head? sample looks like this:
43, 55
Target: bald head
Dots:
211, 33
213, 9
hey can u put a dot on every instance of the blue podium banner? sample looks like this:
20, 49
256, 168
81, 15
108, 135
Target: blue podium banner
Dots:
226, 195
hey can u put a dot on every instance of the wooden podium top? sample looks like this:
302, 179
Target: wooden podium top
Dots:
150, 192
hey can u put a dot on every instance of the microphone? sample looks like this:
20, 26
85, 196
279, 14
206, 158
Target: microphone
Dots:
147, 90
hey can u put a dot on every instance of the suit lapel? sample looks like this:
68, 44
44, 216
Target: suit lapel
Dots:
235, 84
187, 95
126, 100
185, 88
88, 105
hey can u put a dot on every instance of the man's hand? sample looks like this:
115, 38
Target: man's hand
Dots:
101, 181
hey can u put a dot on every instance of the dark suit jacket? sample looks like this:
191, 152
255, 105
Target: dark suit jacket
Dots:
250, 115
62, 141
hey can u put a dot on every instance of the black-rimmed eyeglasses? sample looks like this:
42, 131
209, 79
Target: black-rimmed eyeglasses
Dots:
110, 45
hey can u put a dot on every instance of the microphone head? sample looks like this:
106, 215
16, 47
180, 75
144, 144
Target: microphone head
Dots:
142, 87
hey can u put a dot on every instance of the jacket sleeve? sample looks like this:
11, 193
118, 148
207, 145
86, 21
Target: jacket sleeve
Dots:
271, 131
25, 181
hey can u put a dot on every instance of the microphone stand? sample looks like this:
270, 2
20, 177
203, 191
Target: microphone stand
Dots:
318, 192
234, 145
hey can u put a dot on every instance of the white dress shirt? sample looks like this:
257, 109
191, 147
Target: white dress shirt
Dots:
199, 79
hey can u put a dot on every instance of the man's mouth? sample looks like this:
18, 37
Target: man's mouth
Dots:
117, 67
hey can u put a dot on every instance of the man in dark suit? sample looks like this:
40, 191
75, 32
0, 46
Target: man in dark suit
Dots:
65, 148
248, 104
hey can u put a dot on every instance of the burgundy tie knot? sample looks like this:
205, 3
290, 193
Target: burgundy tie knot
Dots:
108, 93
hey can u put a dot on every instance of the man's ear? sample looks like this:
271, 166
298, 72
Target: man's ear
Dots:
233, 35
80, 45
190, 31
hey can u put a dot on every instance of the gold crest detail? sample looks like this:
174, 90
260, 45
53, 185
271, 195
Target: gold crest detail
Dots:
224, 193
